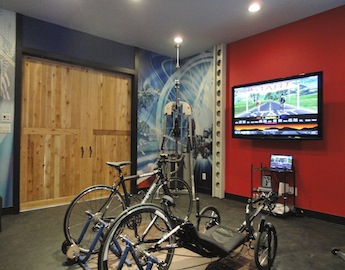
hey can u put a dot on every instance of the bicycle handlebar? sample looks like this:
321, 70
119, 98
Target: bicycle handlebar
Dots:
268, 199
163, 158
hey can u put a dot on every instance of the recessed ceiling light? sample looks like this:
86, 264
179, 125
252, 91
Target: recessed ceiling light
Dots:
178, 40
254, 7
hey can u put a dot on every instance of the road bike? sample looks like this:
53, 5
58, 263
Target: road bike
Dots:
90, 213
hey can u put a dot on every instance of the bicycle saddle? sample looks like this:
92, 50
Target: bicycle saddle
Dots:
118, 164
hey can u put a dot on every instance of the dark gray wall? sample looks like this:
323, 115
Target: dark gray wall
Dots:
58, 40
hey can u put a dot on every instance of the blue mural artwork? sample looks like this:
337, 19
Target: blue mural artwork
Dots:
156, 88
7, 72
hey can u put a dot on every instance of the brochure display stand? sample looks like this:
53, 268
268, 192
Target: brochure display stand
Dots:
283, 182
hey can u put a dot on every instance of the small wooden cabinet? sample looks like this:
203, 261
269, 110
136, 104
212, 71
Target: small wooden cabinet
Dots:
283, 182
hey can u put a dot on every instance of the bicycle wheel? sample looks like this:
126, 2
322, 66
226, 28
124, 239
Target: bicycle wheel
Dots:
208, 217
142, 225
266, 248
181, 193
104, 202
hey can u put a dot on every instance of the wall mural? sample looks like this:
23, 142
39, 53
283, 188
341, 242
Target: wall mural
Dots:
7, 72
156, 88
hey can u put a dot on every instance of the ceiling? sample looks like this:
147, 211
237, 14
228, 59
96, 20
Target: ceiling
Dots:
153, 24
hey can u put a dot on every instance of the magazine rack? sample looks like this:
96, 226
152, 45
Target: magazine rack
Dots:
283, 182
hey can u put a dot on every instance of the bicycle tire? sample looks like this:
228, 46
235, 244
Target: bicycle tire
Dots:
208, 217
91, 199
180, 192
139, 224
265, 249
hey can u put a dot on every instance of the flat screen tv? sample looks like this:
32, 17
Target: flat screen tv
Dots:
285, 108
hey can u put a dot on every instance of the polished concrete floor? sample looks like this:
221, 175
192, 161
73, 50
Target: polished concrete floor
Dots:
32, 241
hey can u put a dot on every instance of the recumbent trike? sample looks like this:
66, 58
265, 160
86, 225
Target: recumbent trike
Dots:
145, 236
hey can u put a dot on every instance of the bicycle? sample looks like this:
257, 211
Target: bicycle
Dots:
152, 234
88, 216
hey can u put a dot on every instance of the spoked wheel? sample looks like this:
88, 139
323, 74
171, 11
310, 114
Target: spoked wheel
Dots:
266, 248
142, 226
208, 217
101, 201
180, 192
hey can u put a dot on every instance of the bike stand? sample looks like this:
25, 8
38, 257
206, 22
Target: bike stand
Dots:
339, 253
84, 265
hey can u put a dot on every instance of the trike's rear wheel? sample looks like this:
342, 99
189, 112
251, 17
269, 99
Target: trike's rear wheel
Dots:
266, 248
180, 192
207, 218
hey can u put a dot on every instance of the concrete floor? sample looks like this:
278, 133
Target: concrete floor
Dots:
32, 240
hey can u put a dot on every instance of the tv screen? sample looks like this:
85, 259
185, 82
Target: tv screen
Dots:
285, 108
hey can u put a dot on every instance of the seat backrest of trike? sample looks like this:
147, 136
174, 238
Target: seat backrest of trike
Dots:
200, 243
225, 238
219, 241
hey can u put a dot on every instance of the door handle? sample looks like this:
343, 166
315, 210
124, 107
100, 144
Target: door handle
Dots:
82, 152
90, 151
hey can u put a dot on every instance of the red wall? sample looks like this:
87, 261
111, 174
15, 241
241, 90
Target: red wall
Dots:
313, 44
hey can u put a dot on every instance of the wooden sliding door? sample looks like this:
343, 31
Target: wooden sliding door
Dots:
74, 119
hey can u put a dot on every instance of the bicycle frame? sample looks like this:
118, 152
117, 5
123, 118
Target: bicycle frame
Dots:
160, 179
126, 197
157, 172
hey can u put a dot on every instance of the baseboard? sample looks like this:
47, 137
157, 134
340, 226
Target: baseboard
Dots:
8, 211
236, 197
322, 216
299, 211
204, 190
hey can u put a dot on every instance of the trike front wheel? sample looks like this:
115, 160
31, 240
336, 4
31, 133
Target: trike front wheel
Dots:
180, 192
266, 248
207, 218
